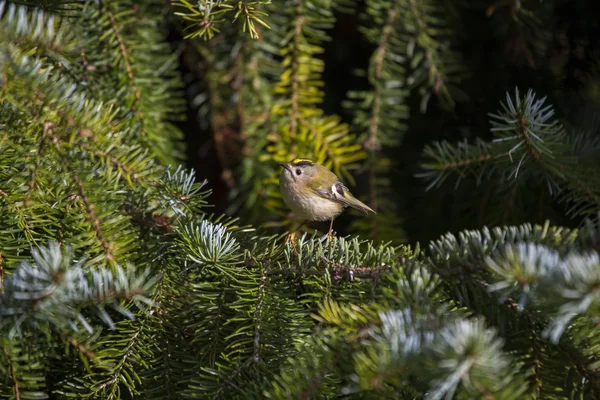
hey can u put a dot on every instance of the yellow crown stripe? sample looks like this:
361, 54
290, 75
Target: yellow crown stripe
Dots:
301, 160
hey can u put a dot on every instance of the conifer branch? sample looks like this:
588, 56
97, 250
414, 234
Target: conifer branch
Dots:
528, 144
115, 161
207, 15
372, 142
522, 266
379, 112
434, 63
217, 325
466, 162
131, 51
258, 316
522, 129
92, 217
430, 52
15, 381
462, 159
109, 388
234, 313
349, 273
80, 347
33, 292
582, 197
527, 39
86, 67
127, 63
36, 166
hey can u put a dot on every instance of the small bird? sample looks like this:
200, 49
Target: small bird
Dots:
314, 193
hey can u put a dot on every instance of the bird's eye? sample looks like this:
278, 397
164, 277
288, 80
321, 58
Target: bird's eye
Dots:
298, 172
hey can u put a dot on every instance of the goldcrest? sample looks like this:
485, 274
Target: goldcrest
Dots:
314, 193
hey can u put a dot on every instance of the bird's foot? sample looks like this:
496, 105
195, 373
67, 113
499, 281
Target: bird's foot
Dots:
330, 235
289, 240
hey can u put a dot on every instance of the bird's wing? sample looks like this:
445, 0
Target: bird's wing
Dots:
338, 193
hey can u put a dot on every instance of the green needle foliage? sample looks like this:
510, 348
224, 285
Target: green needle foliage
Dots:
530, 148
117, 283
206, 15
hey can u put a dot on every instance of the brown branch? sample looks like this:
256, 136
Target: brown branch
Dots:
123, 49
372, 143
115, 161
93, 218
87, 67
429, 56
100, 299
13, 374
340, 272
217, 323
344, 272
128, 68
82, 349
464, 163
47, 128
538, 381
90, 208
117, 370
523, 124
89, 135
258, 316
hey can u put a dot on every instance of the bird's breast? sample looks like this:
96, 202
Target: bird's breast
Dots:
312, 206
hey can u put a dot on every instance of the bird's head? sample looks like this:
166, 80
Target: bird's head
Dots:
298, 171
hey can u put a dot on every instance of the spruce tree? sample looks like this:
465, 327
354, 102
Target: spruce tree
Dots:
118, 279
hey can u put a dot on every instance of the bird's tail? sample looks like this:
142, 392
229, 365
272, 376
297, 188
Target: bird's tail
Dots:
357, 204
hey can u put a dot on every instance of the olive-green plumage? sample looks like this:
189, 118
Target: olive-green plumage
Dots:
314, 193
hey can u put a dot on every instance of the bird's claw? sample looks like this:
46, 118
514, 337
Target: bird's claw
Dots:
290, 240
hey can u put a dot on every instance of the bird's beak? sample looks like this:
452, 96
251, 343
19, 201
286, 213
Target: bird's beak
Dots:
285, 165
